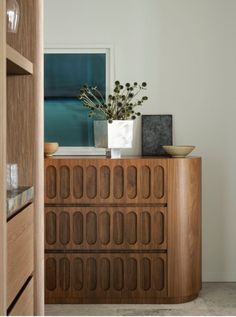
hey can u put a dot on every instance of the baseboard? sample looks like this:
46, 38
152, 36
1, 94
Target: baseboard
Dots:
219, 277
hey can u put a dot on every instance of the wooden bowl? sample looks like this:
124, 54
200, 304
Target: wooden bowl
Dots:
178, 150
50, 148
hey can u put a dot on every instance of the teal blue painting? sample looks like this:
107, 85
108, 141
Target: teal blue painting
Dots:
66, 119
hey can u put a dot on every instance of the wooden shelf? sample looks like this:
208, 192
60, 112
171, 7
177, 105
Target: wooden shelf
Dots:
17, 64
21, 142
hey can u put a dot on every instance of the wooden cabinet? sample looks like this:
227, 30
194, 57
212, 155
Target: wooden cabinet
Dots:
20, 251
122, 231
24, 305
21, 143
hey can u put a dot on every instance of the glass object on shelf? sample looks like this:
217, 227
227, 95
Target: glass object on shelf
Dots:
12, 176
13, 16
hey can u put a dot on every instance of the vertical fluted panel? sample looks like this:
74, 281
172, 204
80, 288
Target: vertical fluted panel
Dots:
91, 274
51, 227
145, 224
78, 178
91, 227
118, 274
104, 274
131, 182
118, 182
131, 274
64, 274
159, 182
78, 274
146, 181
104, 227
105, 182
64, 227
159, 224
131, 228
64, 182
158, 274
51, 182
78, 228
145, 274
91, 181
118, 227
51, 274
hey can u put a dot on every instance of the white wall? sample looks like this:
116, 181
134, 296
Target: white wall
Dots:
186, 51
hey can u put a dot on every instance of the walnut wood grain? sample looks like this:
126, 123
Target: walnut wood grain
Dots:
123, 300
184, 227
20, 251
25, 304
79, 278
105, 228
104, 181
117, 218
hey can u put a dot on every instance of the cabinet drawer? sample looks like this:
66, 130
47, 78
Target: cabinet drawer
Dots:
96, 228
25, 304
87, 181
19, 251
105, 277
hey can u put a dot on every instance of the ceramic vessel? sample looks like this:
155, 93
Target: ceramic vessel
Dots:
178, 150
113, 136
50, 148
13, 16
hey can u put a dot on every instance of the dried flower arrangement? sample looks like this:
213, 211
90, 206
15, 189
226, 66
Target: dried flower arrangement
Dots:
119, 106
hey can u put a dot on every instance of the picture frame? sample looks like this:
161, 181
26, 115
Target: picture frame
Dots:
156, 132
108, 52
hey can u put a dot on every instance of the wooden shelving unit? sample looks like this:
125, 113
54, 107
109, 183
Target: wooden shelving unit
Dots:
21, 142
17, 64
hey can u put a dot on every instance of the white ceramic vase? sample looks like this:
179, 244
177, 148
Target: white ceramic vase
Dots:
113, 136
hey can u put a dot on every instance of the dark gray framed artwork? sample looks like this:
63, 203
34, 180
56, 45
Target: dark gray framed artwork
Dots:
156, 131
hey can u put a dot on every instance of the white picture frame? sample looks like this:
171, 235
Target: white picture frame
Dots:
110, 76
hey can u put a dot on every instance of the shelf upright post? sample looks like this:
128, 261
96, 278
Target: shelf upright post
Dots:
3, 213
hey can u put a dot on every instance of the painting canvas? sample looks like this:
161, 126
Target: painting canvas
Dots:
66, 119
156, 131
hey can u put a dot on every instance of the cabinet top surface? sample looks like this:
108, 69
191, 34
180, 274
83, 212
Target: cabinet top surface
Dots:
77, 157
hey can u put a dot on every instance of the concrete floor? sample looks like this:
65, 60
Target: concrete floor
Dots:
215, 299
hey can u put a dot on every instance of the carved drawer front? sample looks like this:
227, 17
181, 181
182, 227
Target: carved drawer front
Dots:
94, 228
105, 181
105, 277
20, 252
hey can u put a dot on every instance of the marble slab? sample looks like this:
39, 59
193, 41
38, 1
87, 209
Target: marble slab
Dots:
18, 198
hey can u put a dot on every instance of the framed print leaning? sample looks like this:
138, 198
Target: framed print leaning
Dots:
66, 119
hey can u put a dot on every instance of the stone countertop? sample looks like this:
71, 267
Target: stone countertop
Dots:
18, 198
